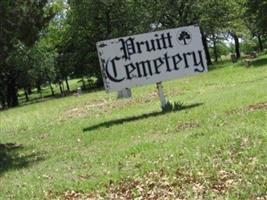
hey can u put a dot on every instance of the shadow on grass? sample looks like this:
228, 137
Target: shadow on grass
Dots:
49, 97
175, 107
11, 159
260, 62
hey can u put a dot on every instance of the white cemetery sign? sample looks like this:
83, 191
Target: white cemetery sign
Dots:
151, 58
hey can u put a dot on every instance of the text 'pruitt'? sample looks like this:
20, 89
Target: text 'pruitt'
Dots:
153, 57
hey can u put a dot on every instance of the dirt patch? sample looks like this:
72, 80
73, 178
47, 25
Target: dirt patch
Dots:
259, 106
251, 108
234, 112
105, 106
73, 113
43, 136
187, 126
174, 92
84, 110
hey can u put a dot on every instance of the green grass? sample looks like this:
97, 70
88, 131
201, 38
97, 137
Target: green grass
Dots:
83, 143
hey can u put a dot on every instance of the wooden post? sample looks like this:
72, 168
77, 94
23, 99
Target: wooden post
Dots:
161, 96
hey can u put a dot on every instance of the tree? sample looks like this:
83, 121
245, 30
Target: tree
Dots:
257, 11
256, 20
213, 17
21, 22
43, 65
218, 17
221, 50
93, 21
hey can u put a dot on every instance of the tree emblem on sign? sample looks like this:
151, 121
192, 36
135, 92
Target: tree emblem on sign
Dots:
184, 37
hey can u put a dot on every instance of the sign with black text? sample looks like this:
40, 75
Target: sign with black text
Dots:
152, 57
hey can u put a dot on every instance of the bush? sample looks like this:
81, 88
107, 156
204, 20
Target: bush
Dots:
248, 46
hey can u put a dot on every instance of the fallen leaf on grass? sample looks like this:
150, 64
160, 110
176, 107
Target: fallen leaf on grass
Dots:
224, 182
72, 195
264, 197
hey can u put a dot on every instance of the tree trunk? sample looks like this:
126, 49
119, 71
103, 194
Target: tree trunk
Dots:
26, 94
41, 93
237, 45
60, 88
67, 83
84, 86
206, 48
3, 101
3, 94
51, 88
260, 43
50, 83
39, 89
215, 49
12, 93
29, 89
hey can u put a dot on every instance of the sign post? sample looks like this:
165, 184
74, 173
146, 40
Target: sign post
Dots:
153, 57
161, 95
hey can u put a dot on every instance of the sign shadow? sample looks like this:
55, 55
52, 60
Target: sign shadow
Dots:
175, 107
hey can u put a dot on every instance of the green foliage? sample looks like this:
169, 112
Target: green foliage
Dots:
93, 21
256, 16
43, 63
21, 23
248, 46
222, 50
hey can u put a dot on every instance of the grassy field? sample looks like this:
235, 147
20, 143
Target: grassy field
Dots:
213, 147
36, 97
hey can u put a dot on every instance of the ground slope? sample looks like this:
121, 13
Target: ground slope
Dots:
213, 146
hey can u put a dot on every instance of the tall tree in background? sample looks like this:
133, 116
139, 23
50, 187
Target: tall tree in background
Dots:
218, 17
21, 22
256, 19
182, 13
258, 8
93, 21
